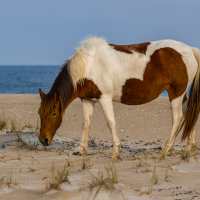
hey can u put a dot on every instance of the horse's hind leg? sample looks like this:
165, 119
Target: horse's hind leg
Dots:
88, 107
191, 142
107, 106
177, 114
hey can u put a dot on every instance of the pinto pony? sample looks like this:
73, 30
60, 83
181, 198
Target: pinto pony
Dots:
131, 74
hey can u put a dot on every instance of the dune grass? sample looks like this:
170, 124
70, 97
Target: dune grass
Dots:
58, 176
103, 180
7, 181
154, 179
3, 124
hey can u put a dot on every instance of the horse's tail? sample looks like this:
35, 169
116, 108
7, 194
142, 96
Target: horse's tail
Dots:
193, 106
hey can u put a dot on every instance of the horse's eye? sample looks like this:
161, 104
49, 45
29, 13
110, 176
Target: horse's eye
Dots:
54, 114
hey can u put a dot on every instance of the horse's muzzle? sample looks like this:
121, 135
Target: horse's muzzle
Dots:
44, 141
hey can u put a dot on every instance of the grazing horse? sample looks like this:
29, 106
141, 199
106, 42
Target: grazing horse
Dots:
130, 74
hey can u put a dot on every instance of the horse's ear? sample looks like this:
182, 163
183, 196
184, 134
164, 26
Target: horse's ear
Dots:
42, 94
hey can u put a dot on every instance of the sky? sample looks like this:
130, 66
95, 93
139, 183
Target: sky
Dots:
46, 32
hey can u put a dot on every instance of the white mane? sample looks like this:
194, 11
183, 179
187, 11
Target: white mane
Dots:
80, 61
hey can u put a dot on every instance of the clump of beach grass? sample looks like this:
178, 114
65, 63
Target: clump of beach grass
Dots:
154, 179
185, 155
85, 164
13, 126
58, 176
188, 153
7, 181
166, 175
142, 166
28, 125
103, 180
3, 124
37, 128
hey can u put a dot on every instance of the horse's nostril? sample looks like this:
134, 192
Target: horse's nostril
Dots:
46, 141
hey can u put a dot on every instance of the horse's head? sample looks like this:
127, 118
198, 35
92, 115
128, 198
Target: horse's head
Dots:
50, 112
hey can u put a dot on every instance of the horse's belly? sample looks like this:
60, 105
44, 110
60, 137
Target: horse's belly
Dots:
136, 92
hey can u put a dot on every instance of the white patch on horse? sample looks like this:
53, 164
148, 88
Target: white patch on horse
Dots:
108, 68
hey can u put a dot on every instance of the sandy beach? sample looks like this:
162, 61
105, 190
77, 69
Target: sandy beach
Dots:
33, 172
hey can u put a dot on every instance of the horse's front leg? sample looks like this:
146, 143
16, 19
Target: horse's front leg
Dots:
107, 106
88, 107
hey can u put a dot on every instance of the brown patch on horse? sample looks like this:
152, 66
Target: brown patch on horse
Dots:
88, 90
166, 70
140, 48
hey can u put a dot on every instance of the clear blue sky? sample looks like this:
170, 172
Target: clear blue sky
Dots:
47, 31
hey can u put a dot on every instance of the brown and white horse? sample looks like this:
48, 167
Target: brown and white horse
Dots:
131, 74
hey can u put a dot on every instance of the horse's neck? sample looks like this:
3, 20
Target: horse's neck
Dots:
81, 90
64, 92
67, 91
66, 97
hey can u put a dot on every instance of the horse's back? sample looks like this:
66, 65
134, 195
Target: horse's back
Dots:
136, 74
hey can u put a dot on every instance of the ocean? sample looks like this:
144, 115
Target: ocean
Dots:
27, 79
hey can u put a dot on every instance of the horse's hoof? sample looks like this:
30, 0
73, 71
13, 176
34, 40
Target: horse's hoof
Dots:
116, 157
79, 151
76, 153
82, 150
163, 156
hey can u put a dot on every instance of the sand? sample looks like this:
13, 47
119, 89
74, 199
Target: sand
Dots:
27, 168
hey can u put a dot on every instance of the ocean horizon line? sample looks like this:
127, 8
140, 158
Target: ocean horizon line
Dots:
31, 65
